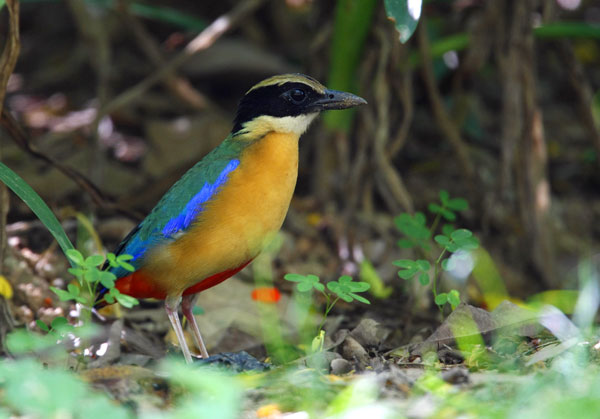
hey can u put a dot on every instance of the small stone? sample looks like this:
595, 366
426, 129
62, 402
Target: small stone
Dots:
353, 351
456, 375
370, 333
321, 360
340, 366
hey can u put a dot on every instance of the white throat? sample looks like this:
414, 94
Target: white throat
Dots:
293, 124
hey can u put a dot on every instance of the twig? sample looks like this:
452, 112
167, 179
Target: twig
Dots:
524, 154
404, 89
386, 171
7, 324
179, 86
8, 60
18, 135
444, 121
204, 40
583, 92
97, 38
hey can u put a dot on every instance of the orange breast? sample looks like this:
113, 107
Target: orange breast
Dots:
234, 227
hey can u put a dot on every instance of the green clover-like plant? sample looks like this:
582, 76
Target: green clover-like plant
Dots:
448, 207
414, 228
452, 240
306, 283
412, 268
344, 288
90, 276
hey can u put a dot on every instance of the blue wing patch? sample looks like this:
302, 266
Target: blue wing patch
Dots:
195, 205
151, 231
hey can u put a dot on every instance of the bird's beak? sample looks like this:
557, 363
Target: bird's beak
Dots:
334, 99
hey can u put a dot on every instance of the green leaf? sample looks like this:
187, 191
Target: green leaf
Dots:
458, 204
107, 279
317, 343
92, 276
467, 244
114, 292
346, 297
408, 273
112, 260
59, 323
448, 264
452, 247
94, 260
21, 341
448, 215
444, 197
109, 298
344, 279
460, 234
405, 15
36, 204
294, 277
424, 278
413, 226
405, 263
441, 299
423, 265
360, 298
345, 288
318, 286
75, 256
62, 294
442, 240
78, 272
359, 286
126, 300
447, 229
42, 325
454, 298
127, 266
333, 286
420, 218
305, 283
435, 208
304, 286
122, 262
73, 289
405, 244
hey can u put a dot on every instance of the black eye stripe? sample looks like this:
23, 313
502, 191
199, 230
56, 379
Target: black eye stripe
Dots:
288, 99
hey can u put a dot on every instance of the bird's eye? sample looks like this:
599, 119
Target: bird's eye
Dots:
297, 96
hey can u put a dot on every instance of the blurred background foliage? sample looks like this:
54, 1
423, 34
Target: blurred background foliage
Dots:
497, 102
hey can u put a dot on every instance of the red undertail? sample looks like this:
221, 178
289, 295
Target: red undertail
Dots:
139, 284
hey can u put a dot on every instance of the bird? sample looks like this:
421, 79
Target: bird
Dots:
225, 209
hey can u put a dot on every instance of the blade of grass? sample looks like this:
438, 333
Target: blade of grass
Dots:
36, 204
352, 23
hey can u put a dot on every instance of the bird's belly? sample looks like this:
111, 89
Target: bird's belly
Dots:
235, 226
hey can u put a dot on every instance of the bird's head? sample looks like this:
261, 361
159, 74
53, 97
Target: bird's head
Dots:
287, 103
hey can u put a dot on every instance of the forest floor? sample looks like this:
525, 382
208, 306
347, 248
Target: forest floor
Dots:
499, 355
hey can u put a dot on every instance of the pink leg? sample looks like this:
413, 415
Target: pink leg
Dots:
187, 306
172, 306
